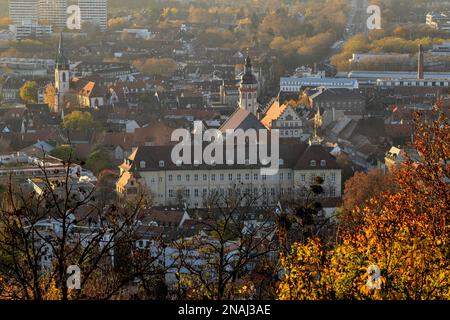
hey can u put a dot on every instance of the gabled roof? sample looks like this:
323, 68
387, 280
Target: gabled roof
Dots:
273, 113
242, 119
114, 139
294, 155
91, 89
318, 154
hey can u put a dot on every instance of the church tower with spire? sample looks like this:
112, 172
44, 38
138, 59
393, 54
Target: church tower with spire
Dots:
248, 89
62, 76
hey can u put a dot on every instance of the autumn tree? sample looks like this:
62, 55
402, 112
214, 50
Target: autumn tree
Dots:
164, 67
362, 187
401, 243
50, 96
29, 92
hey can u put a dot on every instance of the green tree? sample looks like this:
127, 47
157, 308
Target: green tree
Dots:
64, 152
79, 121
29, 92
99, 159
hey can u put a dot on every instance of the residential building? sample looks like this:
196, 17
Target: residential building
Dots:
27, 29
339, 99
285, 118
150, 169
439, 20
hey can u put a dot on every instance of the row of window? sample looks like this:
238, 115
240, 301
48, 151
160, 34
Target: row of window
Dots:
339, 103
246, 176
223, 177
197, 193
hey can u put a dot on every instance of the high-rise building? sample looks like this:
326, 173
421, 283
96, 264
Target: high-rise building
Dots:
95, 12
53, 12
23, 11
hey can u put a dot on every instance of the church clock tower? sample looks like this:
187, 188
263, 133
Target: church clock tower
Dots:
62, 76
248, 89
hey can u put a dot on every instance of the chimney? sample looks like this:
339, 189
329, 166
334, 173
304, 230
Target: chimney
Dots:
420, 73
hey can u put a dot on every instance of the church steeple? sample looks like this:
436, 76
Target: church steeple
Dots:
62, 76
248, 89
61, 61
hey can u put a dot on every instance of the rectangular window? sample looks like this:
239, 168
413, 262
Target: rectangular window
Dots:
196, 193
213, 177
255, 176
179, 177
333, 177
188, 177
247, 176
332, 192
222, 177
170, 177
196, 177
170, 193
230, 176
205, 177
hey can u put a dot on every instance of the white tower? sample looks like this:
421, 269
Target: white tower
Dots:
62, 77
248, 89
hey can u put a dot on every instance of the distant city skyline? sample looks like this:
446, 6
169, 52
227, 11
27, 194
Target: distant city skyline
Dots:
54, 12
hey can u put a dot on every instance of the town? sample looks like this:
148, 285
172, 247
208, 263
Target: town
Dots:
88, 129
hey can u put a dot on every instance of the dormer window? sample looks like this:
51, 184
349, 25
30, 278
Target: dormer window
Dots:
161, 164
142, 164
312, 163
323, 163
